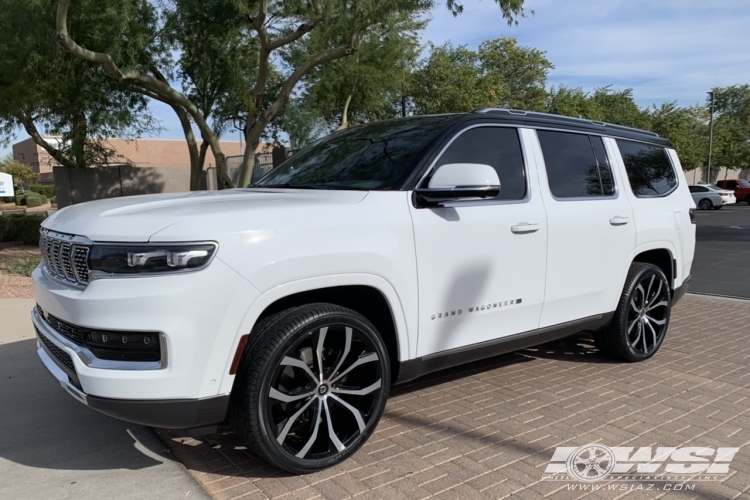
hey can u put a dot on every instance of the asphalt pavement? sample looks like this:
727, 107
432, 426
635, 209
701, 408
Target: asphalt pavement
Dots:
722, 254
53, 447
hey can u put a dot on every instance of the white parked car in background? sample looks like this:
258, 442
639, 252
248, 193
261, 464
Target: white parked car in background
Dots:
374, 256
708, 196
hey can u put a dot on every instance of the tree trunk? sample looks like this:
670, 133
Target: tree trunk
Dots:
78, 140
196, 166
345, 114
252, 141
56, 154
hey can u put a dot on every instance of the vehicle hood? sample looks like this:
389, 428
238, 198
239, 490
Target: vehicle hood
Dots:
137, 218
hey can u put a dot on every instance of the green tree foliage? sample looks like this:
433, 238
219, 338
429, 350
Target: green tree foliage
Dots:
686, 128
731, 146
500, 74
370, 85
45, 91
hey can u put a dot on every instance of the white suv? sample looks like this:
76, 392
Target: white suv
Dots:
372, 257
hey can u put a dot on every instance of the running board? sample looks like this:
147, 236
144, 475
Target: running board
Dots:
414, 368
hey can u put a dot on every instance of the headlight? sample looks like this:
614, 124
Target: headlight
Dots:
154, 258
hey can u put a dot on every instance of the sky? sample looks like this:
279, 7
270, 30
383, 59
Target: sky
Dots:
665, 50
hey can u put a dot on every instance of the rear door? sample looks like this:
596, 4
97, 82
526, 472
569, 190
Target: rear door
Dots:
591, 233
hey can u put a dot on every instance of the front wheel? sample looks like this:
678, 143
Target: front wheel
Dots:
642, 315
311, 388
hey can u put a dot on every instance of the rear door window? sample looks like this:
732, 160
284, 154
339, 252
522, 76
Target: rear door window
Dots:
649, 169
577, 165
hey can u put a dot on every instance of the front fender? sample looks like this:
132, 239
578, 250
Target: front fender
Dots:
406, 342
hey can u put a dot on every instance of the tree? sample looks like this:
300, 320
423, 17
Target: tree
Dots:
274, 25
370, 85
47, 91
685, 128
731, 147
517, 74
619, 108
500, 74
22, 174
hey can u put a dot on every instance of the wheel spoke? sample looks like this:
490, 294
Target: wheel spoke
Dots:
643, 295
643, 338
314, 436
359, 392
282, 435
648, 290
634, 343
288, 398
357, 414
656, 295
347, 347
331, 433
632, 324
659, 322
298, 363
360, 361
319, 349
660, 304
633, 306
653, 333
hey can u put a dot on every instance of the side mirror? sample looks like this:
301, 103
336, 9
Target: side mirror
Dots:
458, 181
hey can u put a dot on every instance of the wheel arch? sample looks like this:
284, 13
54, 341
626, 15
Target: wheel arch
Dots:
369, 295
661, 257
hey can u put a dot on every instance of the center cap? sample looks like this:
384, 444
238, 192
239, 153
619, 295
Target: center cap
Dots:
323, 389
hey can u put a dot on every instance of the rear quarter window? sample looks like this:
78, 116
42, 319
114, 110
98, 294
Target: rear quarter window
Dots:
650, 172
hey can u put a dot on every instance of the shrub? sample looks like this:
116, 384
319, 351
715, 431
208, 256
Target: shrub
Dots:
32, 202
23, 228
43, 189
7, 199
20, 199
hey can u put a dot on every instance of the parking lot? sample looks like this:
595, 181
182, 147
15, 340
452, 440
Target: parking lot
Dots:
722, 256
488, 430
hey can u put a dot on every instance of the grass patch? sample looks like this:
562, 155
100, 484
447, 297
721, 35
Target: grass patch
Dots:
22, 265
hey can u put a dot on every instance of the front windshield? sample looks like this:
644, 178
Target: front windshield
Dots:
365, 157
743, 183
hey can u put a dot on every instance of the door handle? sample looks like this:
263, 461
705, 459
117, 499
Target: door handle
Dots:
619, 221
524, 227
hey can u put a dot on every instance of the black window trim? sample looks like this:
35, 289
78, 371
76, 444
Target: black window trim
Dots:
671, 163
602, 197
491, 201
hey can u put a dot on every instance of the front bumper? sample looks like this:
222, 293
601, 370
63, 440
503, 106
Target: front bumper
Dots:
168, 414
198, 317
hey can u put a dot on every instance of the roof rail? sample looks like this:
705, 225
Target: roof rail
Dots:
563, 119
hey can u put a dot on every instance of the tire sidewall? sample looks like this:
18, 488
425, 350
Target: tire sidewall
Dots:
260, 392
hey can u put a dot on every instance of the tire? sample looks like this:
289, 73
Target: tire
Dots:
641, 319
705, 204
747, 199
286, 411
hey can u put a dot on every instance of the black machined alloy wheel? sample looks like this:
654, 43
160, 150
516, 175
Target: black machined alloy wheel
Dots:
312, 387
705, 204
642, 317
648, 314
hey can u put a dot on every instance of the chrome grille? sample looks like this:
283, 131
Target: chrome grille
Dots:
65, 257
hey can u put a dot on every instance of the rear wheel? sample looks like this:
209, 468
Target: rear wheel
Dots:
747, 199
311, 387
642, 316
705, 204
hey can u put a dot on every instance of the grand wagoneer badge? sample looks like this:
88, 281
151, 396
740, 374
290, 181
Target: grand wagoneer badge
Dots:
475, 309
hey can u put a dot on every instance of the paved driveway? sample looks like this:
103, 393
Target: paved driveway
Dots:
722, 254
53, 447
488, 430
